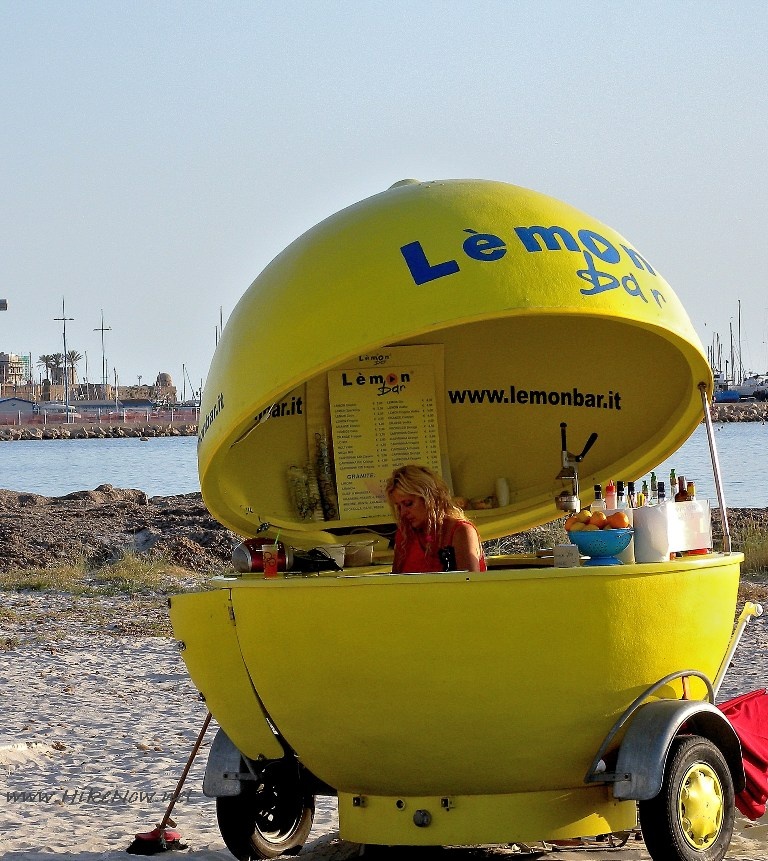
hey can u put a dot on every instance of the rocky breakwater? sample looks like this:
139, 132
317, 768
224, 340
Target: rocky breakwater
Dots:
743, 411
95, 431
102, 525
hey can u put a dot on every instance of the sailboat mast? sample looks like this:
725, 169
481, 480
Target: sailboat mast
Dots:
730, 332
741, 365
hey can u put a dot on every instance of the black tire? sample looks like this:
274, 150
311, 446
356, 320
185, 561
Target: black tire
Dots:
691, 819
272, 816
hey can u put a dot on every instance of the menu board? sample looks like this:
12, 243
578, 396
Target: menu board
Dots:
383, 416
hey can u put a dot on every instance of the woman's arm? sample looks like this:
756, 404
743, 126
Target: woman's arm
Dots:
466, 544
397, 561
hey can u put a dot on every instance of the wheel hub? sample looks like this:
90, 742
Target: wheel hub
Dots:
700, 806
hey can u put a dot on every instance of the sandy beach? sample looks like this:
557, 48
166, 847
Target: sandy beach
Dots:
98, 720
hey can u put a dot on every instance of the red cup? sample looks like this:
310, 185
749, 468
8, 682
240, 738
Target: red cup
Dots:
269, 557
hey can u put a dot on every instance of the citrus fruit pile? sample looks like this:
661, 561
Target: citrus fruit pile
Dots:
590, 521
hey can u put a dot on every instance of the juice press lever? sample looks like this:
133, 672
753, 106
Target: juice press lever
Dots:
568, 498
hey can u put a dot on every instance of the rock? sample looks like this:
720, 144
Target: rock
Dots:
98, 526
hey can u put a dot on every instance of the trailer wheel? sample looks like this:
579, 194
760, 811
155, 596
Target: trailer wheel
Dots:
272, 816
691, 819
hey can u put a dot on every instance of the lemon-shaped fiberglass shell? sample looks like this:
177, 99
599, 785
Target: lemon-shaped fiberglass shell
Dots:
455, 323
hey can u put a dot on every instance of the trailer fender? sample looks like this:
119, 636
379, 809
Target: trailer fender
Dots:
643, 753
223, 768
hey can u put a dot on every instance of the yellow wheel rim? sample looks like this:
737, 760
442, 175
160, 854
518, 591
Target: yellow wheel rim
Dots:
700, 806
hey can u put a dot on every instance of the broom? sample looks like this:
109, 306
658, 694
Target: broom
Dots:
162, 838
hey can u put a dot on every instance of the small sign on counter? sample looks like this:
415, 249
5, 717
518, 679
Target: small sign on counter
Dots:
567, 556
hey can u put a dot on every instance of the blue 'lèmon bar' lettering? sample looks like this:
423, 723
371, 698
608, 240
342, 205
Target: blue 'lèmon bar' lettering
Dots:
489, 248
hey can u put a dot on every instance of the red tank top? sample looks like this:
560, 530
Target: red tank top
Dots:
413, 558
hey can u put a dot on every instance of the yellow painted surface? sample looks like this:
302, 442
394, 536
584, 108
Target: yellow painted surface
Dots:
201, 621
527, 816
519, 312
496, 682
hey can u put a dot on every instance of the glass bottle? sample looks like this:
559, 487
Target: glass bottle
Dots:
672, 486
661, 492
621, 499
644, 497
631, 495
654, 489
599, 503
682, 493
610, 495
691, 490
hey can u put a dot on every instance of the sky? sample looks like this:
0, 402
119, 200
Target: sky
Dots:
155, 156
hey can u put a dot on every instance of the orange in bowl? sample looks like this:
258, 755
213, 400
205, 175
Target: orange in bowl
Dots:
598, 519
618, 520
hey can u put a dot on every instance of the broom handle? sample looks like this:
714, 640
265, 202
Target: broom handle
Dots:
184, 774
746, 614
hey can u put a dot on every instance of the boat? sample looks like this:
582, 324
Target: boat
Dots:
727, 390
476, 327
724, 392
753, 386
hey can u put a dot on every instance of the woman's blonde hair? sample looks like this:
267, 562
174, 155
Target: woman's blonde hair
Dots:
417, 480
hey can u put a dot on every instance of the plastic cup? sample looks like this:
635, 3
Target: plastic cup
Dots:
269, 556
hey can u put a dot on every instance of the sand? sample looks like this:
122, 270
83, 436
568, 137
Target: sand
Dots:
97, 726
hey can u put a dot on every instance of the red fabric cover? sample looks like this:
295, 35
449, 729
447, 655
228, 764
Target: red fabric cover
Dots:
748, 715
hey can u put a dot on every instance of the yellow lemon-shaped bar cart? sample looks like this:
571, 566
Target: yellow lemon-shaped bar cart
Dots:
466, 325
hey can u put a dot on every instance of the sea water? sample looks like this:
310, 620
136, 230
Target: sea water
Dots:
742, 451
161, 466
164, 466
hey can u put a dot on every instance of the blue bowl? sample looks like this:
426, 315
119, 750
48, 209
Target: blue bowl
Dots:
601, 543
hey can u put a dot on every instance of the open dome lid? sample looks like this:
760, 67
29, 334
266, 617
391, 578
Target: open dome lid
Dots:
457, 324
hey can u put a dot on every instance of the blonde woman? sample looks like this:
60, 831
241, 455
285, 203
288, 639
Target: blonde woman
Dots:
432, 532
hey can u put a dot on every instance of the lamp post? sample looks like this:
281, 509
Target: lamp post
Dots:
3, 305
103, 329
64, 320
